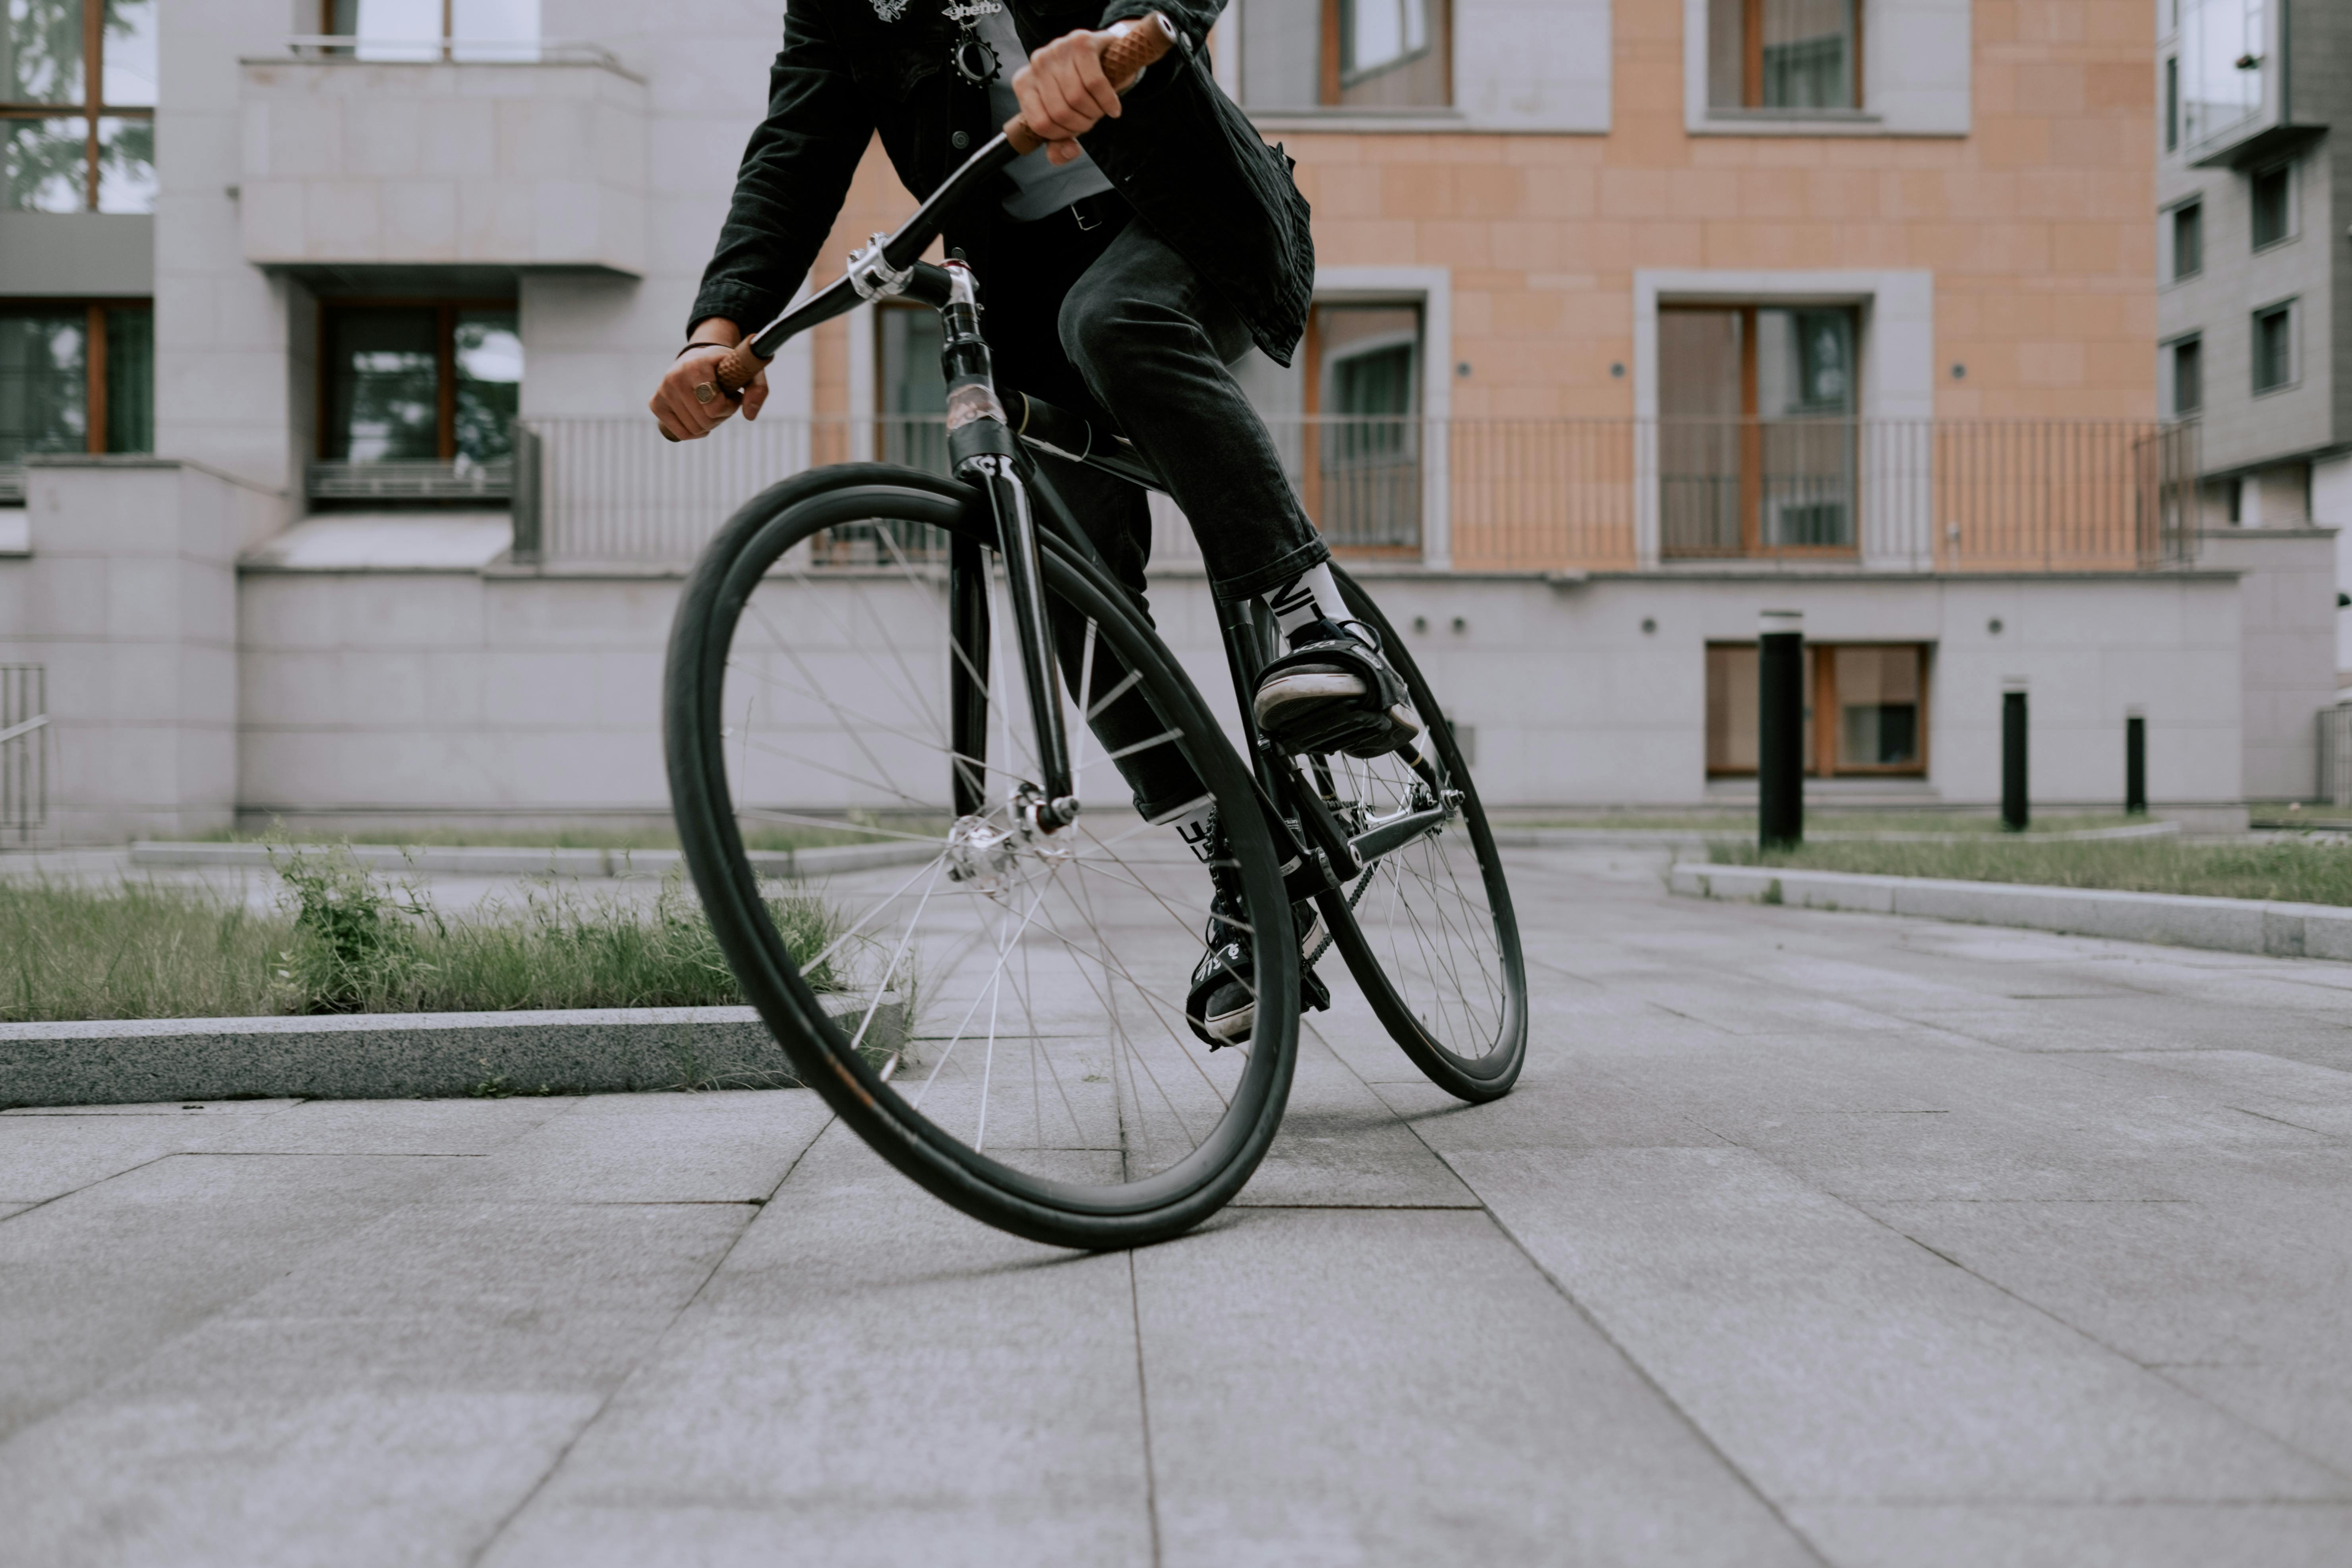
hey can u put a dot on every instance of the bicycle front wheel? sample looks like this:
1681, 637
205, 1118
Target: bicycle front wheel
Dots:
996, 1010
1427, 928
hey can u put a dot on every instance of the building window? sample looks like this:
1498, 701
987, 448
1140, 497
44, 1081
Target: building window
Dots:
1362, 479
434, 29
1757, 431
911, 387
77, 377
1876, 695
1346, 54
1784, 54
2213, 78
2274, 347
2188, 377
77, 104
2272, 193
2187, 240
435, 381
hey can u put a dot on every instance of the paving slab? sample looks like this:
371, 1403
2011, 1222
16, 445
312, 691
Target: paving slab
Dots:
1807, 1238
1341, 1146
2138, 1535
1405, 1387
1832, 1358
953, 1395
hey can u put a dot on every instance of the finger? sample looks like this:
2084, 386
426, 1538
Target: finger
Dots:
1094, 85
755, 397
1062, 119
1058, 152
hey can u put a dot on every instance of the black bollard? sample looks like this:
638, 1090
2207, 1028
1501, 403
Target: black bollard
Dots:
2135, 765
1781, 730
2014, 814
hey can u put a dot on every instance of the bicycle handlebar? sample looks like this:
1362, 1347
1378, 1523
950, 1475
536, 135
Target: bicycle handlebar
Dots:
886, 264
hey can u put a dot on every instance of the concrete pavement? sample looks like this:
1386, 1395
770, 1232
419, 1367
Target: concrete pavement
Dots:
1808, 1237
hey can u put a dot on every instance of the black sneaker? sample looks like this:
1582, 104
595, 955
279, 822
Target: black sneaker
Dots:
1222, 1007
1334, 692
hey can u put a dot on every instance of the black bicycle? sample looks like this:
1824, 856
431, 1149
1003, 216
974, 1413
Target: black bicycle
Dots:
996, 1002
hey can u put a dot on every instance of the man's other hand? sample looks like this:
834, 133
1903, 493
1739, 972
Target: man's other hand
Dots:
682, 415
1063, 91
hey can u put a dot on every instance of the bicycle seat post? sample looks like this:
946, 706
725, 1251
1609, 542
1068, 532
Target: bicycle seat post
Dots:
980, 449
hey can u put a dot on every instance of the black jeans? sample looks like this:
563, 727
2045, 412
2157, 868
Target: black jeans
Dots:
1112, 323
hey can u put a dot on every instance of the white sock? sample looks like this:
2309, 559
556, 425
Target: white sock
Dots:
1313, 594
1197, 827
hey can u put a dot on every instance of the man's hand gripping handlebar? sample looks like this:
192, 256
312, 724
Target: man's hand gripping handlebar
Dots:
887, 264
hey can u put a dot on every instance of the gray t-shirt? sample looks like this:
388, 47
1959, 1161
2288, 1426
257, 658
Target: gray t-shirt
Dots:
1039, 189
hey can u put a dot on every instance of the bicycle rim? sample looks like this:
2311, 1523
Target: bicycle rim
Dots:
1428, 929
998, 1013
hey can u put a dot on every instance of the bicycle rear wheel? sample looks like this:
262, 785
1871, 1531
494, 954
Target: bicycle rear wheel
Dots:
1013, 1037
1428, 929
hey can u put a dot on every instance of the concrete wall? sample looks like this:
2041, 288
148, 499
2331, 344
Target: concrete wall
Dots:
2289, 616
225, 393
129, 597
348, 161
485, 694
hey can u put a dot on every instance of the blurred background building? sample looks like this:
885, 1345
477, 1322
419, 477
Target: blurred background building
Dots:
326, 329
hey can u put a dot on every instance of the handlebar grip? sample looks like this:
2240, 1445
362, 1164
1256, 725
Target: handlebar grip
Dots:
739, 368
1123, 58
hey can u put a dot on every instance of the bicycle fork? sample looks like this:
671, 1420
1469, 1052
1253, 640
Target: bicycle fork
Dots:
981, 448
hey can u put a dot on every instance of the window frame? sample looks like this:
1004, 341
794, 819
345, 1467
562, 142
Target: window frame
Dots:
1822, 711
1316, 368
95, 390
2290, 204
1751, 102
2172, 346
2292, 309
91, 108
444, 364
2174, 272
1333, 80
1753, 423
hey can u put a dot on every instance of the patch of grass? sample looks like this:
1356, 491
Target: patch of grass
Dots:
137, 951
348, 942
1734, 824
2309, 871
760, 838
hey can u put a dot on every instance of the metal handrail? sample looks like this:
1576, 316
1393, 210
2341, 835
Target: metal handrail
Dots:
454, 51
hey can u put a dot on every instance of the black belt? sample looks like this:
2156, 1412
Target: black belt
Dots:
1093, 211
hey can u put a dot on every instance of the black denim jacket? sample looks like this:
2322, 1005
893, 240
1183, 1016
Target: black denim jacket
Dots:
1181, 152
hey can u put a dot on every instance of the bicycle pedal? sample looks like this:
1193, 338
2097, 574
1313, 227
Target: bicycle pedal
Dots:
1313, 994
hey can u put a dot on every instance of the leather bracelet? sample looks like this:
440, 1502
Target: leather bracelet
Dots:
701, 344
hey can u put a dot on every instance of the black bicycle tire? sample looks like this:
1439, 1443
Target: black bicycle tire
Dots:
1167, 1205
1491, 1075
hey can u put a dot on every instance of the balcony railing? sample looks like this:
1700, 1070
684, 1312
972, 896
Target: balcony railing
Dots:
462, 51
1505, 494
486, 482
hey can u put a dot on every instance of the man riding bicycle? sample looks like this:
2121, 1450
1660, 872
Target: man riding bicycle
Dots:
1125, 264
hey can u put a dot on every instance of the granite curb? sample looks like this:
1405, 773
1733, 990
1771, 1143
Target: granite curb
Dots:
2173, 919
404, 1056
1672, 838
487, 861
